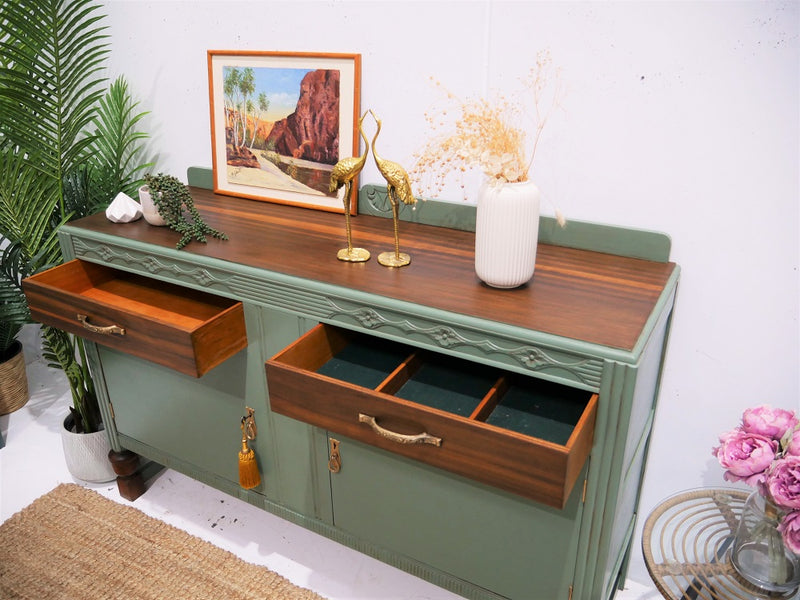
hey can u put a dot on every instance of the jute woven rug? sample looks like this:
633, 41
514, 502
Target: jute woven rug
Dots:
74, 544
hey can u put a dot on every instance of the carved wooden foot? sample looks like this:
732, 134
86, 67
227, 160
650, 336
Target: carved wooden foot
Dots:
130, 481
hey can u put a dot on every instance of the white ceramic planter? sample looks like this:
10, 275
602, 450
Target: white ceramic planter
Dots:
506, 233
149, 209
86, 454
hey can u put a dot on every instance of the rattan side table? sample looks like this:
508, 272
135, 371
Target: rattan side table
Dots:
686, 545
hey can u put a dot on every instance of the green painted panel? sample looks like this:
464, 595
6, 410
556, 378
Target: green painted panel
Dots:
286, 447
200, 177
194, 418
508, 545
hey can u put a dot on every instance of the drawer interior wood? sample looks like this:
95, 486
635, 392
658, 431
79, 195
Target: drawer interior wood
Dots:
529, 406
160, 301
187, 330
519, 433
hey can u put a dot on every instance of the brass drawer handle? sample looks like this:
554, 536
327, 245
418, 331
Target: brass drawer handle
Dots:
400, 438
108, 330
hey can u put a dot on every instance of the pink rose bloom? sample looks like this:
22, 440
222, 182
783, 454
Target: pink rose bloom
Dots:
745, 456
793, 448
783, 482
790, 529
768, 421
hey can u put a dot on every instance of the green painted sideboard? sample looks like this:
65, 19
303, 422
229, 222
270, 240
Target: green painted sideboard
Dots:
592, 323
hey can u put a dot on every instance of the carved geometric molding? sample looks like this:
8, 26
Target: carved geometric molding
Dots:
171, 270
531, 358
312, 303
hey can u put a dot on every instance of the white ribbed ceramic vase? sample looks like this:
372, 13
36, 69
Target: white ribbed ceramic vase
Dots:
506, 233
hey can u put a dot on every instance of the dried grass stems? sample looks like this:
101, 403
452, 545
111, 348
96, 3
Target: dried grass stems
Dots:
490, 135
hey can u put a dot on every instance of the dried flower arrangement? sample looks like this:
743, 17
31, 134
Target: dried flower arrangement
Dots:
489, 135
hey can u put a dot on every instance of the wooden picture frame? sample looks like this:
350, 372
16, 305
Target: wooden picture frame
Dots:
280, 121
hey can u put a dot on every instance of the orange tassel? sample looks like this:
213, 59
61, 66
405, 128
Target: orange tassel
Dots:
249, 477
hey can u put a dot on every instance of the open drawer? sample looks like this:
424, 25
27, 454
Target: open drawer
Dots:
186, 330
517, 433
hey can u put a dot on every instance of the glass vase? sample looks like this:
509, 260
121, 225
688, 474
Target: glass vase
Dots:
758, 553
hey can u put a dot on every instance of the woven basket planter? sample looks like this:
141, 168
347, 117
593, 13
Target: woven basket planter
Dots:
13, 382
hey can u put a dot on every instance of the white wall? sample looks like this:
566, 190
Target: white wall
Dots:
681, 117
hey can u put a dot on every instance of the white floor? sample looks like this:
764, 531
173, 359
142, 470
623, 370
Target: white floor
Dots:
32, 463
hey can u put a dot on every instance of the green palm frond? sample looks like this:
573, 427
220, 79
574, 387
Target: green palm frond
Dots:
117, 153
66, 148
14, 312
29, 208
53, 52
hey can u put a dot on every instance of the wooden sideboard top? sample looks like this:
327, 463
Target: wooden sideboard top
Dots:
577, 294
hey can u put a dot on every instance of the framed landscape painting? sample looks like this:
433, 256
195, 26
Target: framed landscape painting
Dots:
280, 121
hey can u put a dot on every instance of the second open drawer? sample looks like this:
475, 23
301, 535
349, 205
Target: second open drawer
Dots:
513, 432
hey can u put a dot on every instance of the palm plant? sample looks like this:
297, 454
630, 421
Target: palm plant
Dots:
67, 146
27, 205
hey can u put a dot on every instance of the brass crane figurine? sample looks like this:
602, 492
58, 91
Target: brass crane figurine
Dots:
343, 174
398, 187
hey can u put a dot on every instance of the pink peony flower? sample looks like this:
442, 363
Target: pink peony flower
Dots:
745, 456
768, 421
790, 529
783, 482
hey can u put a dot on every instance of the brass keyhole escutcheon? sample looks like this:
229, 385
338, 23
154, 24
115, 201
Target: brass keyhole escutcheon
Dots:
335, 459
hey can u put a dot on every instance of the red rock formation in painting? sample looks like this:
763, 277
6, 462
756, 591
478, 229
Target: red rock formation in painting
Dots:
311, 132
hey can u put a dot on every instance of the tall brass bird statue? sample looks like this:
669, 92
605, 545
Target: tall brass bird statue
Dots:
343, 174
398, 188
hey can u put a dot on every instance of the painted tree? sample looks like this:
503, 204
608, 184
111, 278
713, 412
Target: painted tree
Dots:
247, 86
230, 89
263, 107
238, 88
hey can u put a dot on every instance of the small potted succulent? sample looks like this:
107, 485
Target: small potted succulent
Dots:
175, 206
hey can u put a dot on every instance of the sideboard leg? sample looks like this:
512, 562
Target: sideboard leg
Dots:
130, 481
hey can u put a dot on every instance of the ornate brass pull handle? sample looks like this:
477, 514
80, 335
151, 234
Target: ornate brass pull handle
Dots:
108, 330
400, 438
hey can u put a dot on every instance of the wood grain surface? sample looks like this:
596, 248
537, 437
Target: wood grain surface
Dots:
578, 294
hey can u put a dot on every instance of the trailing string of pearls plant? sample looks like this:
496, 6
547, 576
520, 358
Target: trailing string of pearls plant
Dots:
173, 200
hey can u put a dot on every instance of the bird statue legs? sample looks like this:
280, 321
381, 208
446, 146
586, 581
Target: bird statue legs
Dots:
396, 258
350, 254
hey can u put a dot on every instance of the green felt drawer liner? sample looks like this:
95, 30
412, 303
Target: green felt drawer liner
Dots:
366, 361
533, 407
540, 409
449, 384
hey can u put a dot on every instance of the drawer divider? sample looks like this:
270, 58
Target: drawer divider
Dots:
489, 402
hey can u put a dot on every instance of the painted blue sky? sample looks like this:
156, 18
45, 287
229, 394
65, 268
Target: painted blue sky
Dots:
282, 87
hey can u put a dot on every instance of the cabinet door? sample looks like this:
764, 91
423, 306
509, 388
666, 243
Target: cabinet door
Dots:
514, 547
194, 421
193, 424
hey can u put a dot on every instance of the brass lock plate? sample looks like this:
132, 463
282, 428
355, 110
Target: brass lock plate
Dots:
334, 458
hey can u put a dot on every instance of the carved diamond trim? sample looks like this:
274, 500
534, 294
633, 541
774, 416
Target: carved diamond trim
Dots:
532, 358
